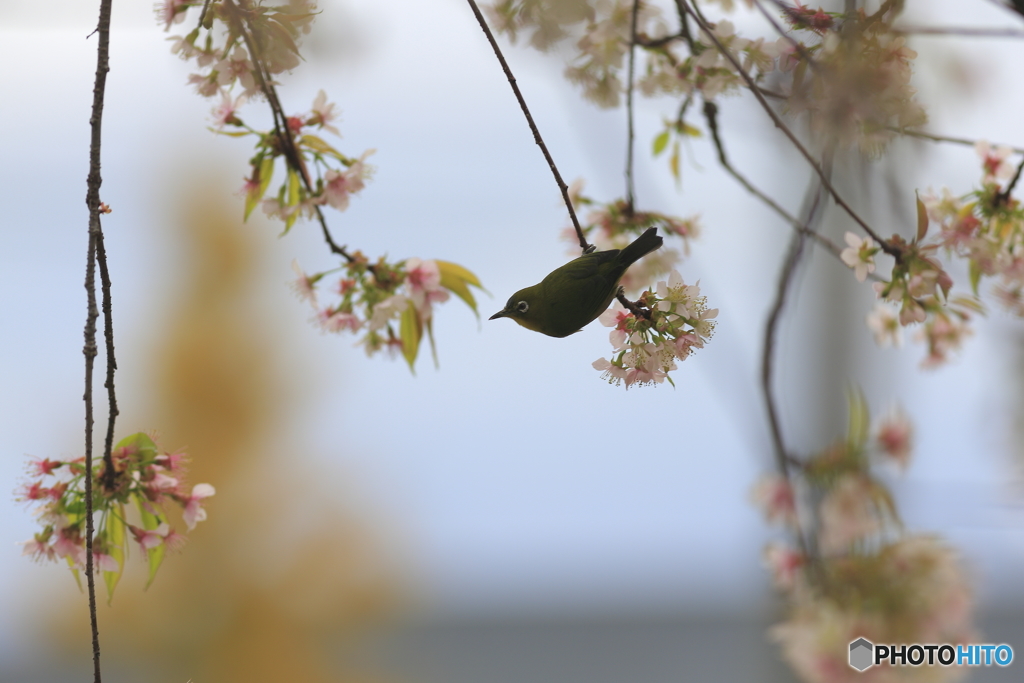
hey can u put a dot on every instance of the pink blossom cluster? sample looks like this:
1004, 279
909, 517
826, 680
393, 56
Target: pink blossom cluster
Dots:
145, 479
854, 83
390, 304
646, 347
856, 573
984, 228
222, 47
229, 69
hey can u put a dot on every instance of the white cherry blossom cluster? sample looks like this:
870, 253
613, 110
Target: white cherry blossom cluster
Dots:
674, 322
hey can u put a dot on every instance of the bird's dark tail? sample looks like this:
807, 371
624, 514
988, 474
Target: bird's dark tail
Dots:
641, 246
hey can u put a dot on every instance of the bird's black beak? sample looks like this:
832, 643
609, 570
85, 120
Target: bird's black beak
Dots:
499, 314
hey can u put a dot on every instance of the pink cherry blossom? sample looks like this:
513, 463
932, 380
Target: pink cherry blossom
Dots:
151, 538
39, 548
101, 562
331, 320
224, 113
848, 514
423, 279
304, 285
171, 12
194, 512
784, 564
69, 544
894, 434
774, 495
323, 114
885, 325
340, 185
994, 161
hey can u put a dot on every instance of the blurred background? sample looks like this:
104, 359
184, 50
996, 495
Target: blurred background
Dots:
508, 516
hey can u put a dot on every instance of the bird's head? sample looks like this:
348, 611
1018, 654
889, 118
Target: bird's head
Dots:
522, 307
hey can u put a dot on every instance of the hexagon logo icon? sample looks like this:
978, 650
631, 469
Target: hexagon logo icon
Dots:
861, 654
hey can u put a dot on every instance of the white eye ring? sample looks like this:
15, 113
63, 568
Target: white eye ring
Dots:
522, 307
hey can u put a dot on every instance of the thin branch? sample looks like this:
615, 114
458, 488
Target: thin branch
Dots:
281, 129
630, 306
584, 245
711, 115
654, 43
944, 138
797, 45
1004, 196
970, 32
92, 200
630, 190
784, 461
202, 15
109, 473
698, 16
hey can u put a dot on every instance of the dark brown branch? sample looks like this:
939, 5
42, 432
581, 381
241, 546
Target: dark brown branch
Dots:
630, 189
783, 460
970, 32
698, 16
584, 245
109, 473
1004, 197
654, 43
202, 15
92, 200
943, 138
284, 134
797, 45
630, 306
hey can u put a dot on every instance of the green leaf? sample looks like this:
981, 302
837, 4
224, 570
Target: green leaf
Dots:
114, 536
457, 279
661, 142
922, 220
974, 271
229, 133
294, 197
460, 289
141, 443
74, 572
410, 331
430, 336
155, 556
454, 269
689, 130
318, 145
860, 420
265, 169
673, 162
150, 521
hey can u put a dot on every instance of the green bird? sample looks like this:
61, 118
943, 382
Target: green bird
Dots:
573, 295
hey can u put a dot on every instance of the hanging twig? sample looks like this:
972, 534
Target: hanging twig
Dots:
290, 152
92, 200
630, 189
698, 16
584, 245
711, 116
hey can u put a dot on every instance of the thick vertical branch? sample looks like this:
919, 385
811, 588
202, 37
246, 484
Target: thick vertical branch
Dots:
92, 200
